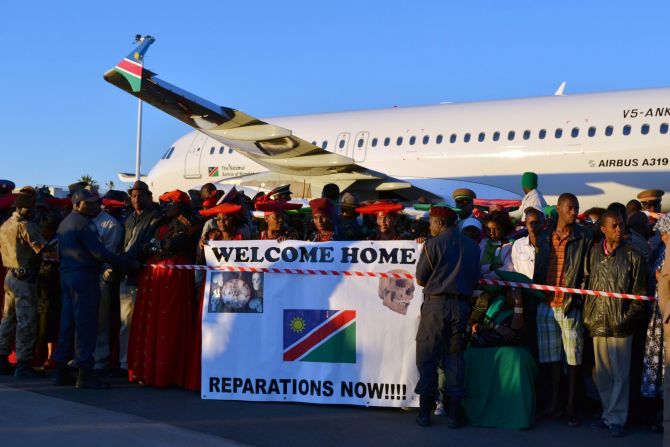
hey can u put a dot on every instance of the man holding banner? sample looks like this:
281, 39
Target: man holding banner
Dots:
448, 270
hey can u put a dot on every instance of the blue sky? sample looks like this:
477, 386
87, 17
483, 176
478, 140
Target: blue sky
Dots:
59, 119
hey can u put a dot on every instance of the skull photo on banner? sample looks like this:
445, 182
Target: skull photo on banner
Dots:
396, 293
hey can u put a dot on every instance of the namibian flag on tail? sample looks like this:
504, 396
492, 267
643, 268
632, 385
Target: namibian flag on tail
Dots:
131, 66
327, 336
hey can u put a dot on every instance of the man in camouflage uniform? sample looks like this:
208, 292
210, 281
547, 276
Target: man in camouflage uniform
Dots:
20, 245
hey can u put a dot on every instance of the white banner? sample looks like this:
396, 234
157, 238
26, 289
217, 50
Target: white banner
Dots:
318, 337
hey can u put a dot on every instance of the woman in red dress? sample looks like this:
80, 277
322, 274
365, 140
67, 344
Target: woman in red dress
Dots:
163, 332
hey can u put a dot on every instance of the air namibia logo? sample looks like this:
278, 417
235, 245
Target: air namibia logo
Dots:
327, 336
132, 71
213, 171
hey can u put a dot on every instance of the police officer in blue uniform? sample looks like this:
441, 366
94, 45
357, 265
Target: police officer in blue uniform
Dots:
448, 271
81, 257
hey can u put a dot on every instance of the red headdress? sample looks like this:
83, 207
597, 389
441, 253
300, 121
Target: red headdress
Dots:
264, 203
175, 196
380, 206
111, 203
224, 208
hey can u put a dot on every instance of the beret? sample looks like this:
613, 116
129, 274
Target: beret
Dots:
321, 206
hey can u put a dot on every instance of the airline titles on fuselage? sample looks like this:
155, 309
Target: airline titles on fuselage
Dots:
228, 171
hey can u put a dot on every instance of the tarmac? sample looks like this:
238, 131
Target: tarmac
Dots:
35, 412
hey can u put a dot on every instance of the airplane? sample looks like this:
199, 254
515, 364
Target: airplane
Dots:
603, 147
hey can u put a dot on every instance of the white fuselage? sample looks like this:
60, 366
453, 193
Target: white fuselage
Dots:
485, 146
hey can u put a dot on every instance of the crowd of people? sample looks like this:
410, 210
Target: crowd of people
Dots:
81, 295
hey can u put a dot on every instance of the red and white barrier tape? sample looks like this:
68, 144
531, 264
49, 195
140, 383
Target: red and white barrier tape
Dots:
494, 282
228, 268
628, 296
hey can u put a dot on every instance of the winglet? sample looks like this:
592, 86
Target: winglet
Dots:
560, 89
131, 66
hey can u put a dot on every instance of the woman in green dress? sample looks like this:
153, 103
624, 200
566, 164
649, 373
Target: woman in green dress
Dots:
500, 371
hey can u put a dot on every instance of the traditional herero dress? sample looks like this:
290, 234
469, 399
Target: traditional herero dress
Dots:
163, 331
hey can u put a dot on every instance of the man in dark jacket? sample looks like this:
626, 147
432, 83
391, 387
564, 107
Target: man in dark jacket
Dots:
139, 229
559, 328
448, 271
613, 266
81, 257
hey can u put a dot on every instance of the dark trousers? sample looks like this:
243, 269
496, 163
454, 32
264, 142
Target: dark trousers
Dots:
441, 336
79, 319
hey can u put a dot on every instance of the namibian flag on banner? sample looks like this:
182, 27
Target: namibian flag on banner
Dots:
327, 336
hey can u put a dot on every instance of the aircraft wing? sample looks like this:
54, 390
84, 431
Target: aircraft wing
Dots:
273, 147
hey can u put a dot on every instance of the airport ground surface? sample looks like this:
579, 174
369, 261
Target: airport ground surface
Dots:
34, 413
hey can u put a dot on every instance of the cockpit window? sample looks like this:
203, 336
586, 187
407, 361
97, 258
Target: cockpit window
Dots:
167, 153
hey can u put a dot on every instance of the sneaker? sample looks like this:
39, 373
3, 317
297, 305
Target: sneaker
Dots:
600, 424
439, 410
616, 431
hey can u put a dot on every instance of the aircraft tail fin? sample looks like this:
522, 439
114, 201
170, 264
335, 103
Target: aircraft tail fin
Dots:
560, 90
131, 66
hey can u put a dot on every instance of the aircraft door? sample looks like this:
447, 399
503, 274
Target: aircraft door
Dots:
342, 143
192, 162
360, 146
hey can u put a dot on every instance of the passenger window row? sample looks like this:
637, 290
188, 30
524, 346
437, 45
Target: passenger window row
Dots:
496, 136
222, 149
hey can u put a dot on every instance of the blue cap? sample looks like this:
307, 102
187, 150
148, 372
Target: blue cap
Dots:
83, 195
